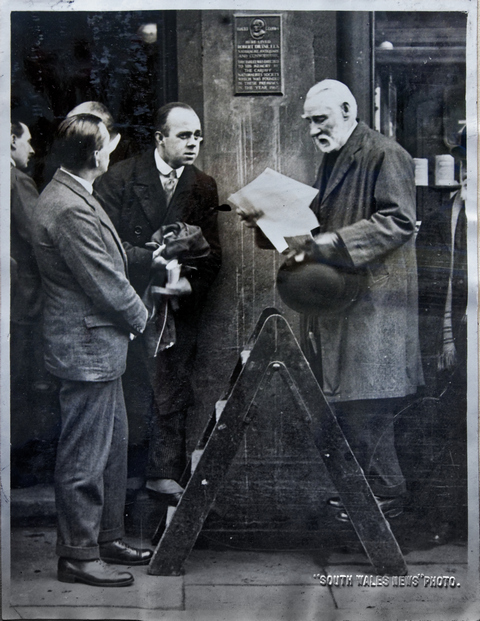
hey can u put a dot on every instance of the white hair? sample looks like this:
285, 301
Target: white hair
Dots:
339, 92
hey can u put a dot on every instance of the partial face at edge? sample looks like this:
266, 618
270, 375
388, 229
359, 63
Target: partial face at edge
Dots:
102, 157
21, 148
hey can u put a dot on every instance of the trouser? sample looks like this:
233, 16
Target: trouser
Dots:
91, 467
174, 395
368, 426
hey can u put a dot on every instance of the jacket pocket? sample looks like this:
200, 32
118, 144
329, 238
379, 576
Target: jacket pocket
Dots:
97, 321
378, 272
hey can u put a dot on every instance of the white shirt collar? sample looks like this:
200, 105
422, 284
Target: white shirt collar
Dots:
12, 162
164, 168
86, 184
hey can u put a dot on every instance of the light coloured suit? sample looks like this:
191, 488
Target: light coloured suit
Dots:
90, 310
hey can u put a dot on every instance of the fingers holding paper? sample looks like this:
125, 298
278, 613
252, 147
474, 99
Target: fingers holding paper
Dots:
249, 215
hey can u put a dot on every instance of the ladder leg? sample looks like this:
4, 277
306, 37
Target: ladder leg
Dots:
276, 350
369, 523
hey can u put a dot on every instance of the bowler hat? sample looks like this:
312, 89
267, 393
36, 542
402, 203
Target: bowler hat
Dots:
315, 287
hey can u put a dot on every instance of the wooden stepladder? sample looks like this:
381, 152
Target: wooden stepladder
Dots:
271, 350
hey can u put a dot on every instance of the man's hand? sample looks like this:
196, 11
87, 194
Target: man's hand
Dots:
299, 248
181, 287
325, 247
249, 216
158, 262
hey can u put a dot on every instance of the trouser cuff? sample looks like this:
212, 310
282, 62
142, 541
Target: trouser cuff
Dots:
105, 536
80, 554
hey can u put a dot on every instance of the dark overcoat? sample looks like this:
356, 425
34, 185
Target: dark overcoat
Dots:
90, 307
133, 196
26, 300
371, 349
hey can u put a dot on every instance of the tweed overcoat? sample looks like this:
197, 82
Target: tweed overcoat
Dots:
371, 349
90, 307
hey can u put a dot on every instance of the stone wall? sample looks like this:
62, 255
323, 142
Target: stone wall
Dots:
243, 136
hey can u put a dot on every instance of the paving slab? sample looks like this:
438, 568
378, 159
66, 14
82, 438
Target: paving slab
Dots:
289, 602
243, 585
107, 614
238, 567
34, 581
147, 592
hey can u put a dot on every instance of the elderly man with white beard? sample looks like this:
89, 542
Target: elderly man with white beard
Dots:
366, 356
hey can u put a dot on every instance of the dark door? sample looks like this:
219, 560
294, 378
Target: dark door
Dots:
126, 60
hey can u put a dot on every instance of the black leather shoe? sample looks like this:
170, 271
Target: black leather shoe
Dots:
390, 507
120, 553
94, 573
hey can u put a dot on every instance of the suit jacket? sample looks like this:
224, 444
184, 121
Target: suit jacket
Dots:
26, 286
133, 196
371, 350
90, 306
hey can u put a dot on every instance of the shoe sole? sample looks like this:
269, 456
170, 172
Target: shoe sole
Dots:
72, 579
115, 561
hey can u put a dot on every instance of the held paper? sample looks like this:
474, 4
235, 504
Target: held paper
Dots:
285, 204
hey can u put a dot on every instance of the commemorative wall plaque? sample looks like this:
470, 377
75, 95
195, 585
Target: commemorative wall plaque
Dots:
258, 55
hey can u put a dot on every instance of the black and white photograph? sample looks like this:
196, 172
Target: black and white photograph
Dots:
239, 277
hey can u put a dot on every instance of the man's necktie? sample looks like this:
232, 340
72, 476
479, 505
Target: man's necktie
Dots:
169, 184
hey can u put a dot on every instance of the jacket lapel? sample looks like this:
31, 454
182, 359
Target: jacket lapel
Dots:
345, 160
105, 220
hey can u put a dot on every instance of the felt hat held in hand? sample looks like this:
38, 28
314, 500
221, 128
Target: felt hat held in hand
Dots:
311, 287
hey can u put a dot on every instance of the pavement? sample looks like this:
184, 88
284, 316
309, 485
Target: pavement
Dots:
320, 582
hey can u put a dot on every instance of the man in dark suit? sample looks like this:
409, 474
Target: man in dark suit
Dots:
366, 357
89, 313
25, 303
142, 195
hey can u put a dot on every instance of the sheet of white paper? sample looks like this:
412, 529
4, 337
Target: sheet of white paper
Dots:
285, 204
